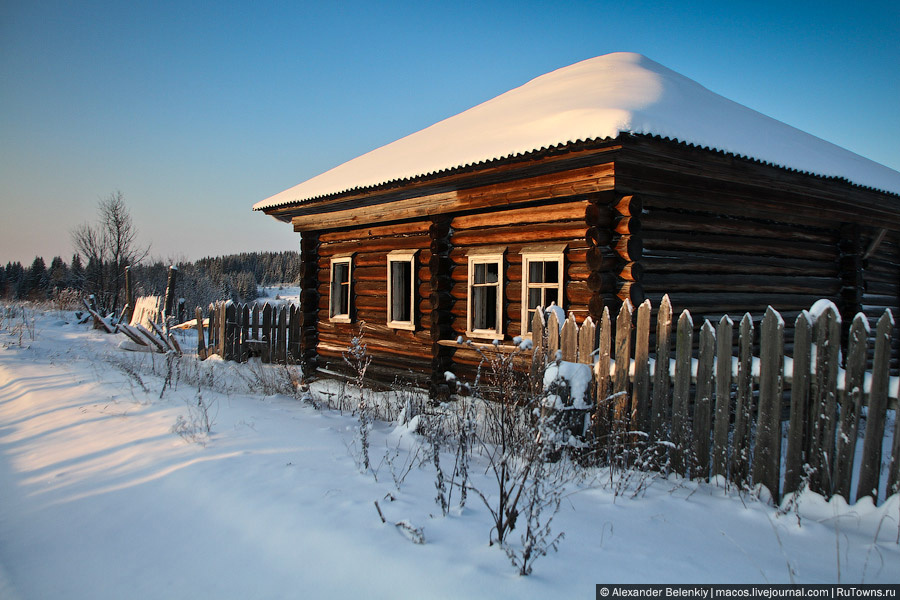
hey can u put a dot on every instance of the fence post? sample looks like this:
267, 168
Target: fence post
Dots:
767, 453
724, 336
851, 404
703, 402
684, 342
659, 409
743, 410
871, 457
601, 382
798, 430
827, 332
641, 384
201, 346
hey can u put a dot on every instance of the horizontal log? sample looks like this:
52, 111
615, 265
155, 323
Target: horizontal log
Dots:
701, 282
603, 259
544, 213
386, 244
664, 241
630, 290
598, 236
699, 223
598, 216
675, 261
632, 271
629, 247
368, 232
625, 225
630, 205
523, 233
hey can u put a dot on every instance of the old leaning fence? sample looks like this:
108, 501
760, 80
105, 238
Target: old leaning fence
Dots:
770, 419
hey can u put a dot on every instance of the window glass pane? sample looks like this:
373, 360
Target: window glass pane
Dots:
534, 298
479, 273
493, 271
401, 290
345, 298
340, 272
552, 295
535, 271
551, 270
484, 307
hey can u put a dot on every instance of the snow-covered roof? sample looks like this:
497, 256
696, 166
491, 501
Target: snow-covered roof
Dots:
593, 100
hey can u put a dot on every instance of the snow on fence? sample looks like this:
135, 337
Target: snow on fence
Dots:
239, 331
775, 420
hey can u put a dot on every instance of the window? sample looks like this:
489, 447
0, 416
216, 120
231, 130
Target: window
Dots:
542, 280
341, 269
485, 314
401, 277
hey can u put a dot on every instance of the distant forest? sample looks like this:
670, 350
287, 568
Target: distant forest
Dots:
233, 277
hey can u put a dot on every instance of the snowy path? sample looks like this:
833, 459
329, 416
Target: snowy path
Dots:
99, 499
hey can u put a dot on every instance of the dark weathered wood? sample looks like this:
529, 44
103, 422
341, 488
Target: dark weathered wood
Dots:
823, 400
602, 413
621, 381
659, 409
267, 326
744, 409
587, 338
798, 429
281, 337
129, 296
568, 338
870, 468
681, 436
201, 344
851, 406
767, 452
724, 335
703, 402
642, 369
170, 292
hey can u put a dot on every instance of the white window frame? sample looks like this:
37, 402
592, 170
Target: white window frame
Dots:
341, 317
402, 256
495, 333
557, 256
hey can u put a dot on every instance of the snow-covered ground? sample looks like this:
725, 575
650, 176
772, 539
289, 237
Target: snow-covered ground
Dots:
100, 497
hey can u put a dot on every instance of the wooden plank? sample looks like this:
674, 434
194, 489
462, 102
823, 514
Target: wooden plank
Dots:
703, 402
569, 340
684, 343
743, 410
621, 381
823, 392
552, 336
602, 414
538, 340
543, 213
266, 349
642, 369
798, 428
870, 468
281, 336
586, 341
767, 452
851, 405
556, 185
724, 337
659, 409
201, 345
245, 333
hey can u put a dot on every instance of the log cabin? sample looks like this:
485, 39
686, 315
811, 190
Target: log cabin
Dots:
609, 180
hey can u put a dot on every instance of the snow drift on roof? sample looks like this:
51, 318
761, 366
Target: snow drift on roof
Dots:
593, 100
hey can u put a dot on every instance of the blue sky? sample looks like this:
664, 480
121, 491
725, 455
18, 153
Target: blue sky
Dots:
195, 111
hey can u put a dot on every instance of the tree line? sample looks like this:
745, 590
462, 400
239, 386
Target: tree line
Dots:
105, 248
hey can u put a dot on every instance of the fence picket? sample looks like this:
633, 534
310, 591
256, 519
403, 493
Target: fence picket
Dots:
552, 336
743, 410
266, 349
621, 383
724, 335
798, 429
601, 378
659, 409
820, 455
767, 453
703, 402
569, 340
641, 385
680, 436
870, 469
851, 405
587, 337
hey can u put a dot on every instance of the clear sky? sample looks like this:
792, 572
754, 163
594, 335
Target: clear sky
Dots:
195, 111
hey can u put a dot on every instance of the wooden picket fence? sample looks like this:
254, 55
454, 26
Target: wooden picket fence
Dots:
774, 420
718, 411
239, 331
